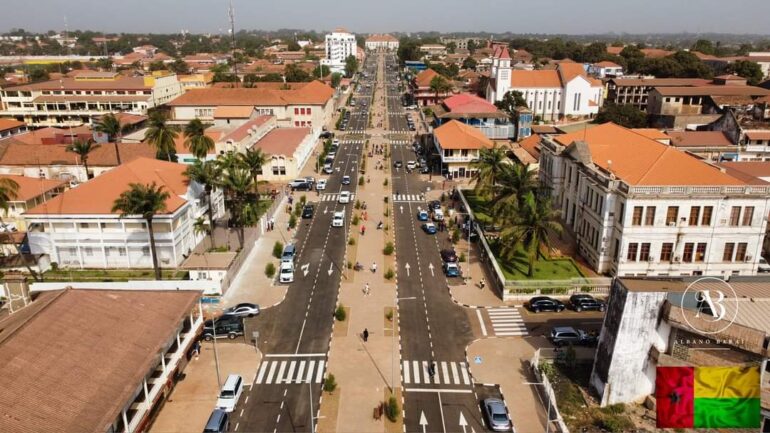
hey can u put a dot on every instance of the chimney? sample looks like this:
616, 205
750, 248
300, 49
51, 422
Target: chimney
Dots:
17, 290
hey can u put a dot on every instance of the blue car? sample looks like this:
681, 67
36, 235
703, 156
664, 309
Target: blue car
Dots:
429, 228
422, 215
451, 270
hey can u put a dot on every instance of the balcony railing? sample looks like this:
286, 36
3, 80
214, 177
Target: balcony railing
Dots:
459, 158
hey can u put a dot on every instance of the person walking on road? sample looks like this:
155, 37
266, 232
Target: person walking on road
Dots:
366, 335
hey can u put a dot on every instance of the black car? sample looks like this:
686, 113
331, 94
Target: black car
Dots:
434, 204
307, 211
448, 255
327, 134
302, 186
398, 164
544, 303
225, 326
584, 302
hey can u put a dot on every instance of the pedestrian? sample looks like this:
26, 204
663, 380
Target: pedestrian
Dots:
197, 349
366, 289
366, 335
363, 230
482, 283
374, 267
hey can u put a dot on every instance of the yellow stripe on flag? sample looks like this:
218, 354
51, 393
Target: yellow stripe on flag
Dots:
727, 382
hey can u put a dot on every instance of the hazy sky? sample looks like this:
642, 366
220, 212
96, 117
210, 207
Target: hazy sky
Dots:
519, 16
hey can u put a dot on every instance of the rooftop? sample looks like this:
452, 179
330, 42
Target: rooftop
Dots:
699, 139
31, 187
7, 124
712, 90
314, 93
79, 378
465, 103
458, 135
424, 78
381, 38
282, 141
72, 83
660, 82
759, 169
243, 131
15, 153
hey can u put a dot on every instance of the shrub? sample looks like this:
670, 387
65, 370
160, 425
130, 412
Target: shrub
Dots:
389, 274
386, 227
357, 205
385, 183
386, 197
462, 258
340, 314
386, 212
350, 264
277, 249
303, 199
351, 241
389, 315
615, 423
270, 270
389, 248
330, 384
293, 221
391, 409
455, 235
355, 220
360, 181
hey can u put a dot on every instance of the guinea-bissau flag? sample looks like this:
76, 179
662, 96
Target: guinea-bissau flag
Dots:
708, 397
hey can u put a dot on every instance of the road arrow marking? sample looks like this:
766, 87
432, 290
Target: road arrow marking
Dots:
430, 266
463, 422
423, 421
305, 268
325, 209
331, 268
402, 209
407, 269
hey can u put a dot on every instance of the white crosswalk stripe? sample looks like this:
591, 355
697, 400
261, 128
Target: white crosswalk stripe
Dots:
290, 371
506, 322
334, 197
408, 197
416, 373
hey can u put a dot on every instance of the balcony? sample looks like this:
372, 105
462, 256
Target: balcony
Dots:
500, 132
458, 158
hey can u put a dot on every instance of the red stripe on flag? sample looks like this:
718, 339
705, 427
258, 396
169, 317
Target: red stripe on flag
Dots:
674, 391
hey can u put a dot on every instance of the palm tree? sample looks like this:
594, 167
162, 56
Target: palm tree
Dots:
83, 149
9, 191
196, 139
528, 228
199, 226
206, 173
161, 135
229, 161
253, 160
110, 125
237, 183
513, 186
439, 85
145, 200
490, 167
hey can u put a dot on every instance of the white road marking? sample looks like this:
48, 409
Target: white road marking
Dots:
481, 322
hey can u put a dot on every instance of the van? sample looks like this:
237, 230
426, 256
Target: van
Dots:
230, 393
438, 215
286, 272
219, 422
288, 254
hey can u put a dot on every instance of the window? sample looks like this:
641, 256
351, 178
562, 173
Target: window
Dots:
83, 225
706, 218
296, 111
735, 215
700, 252
89, 251
694, 215
688, 250
309, 110
748, 215
649, 217
727, 255
665, 251
644, 252
636, 220
145, 251
671, 214
632, 249
622, 212
740, 253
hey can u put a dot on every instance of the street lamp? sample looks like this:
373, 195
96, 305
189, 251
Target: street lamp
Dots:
548, 417
393, 340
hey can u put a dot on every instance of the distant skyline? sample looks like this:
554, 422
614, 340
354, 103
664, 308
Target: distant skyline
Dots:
367, 16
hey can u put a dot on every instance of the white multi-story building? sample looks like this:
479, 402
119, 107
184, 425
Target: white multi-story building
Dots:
605, 69
381, 42
78, 100
339, 45
638, 207
79, 228
551, 94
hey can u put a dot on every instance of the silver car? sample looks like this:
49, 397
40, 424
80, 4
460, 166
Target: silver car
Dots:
497, 415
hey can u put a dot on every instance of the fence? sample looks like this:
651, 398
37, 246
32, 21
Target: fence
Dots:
546, 390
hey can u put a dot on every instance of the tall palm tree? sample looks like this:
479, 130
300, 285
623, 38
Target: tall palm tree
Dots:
490, 167
439, 85
196, 139
237, 184
229, 161
528, 228
161, 135
513, 186
110, 125
83, 148
253, 160
146, 200
199, 226
206, 173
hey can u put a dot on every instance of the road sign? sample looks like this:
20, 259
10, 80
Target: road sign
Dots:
477, 360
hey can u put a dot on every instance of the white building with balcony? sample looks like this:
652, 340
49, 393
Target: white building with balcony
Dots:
79, 229
638, 207
459, 145
340, 44
76, 101
476, 112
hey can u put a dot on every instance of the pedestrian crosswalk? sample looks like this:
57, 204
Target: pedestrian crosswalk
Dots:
292, 370
399, 141
408, 197
352, 142
507, 322
445, 373
334, 197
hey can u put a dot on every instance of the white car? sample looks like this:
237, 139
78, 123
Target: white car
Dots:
338, 219
411, 165
328, 169
230, 393
336, 142
344, 197
438, 215
286, 274
331, 155
321, 185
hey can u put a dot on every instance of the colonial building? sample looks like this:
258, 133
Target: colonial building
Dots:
420, 88
477, 112
31, 193
459, 146
635, 91
639, 207
605, 69
340, 44
381, 42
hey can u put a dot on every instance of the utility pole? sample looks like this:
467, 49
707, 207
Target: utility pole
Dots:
231, 12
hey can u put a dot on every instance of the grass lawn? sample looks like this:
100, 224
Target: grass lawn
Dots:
108, 275
545, 269
479, 206
263, 206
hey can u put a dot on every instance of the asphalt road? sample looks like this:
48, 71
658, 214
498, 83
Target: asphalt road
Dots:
396, 113
294, 335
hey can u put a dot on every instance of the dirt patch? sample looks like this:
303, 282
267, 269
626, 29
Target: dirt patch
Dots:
330, 406
341, 328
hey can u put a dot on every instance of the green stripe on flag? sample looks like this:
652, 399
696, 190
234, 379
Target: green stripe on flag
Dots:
727, 413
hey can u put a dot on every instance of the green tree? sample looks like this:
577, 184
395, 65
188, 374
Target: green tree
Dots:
491, 166
157, 66
528, 229
747, 69
336, 79
162, 136
293, 46
196, 139
321, 71
511, 101
513, 186
294, 74
110, 125
470, 63
704, 46
451, 47
38, 74
351, 65
83, 148
625, 115
439, 85
179, 67
408, 49
253, 160
237, 184
145, 200
206, 174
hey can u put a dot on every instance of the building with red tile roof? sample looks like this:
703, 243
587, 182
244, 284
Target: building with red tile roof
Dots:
459, 146
31, 192
381, 42
420, 88
641, 207
9, 127
289, 149
477, 112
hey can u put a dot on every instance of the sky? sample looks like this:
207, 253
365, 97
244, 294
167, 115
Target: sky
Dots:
373, 16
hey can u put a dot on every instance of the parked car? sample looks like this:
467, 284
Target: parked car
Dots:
244, 309
331, 155
496, 415
411, 165
424, 169
302, 186
327, 134
338, 219
321, 185
310, 180
346, 180
286, 274
438, 215
544, 303
584, 302
398, 164
451, 269
344, 197
296, 182
434, 204
307, 211
422, 215
230, 393
328, 169
429, 228
336, 142
448, 255
564, 335
763, 265
222, 328
219, 422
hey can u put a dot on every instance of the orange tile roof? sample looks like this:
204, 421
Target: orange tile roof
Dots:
758, 135
97, 196
699, 139
752, 168
381, 38
314, 93
282, 141
31, 187
233, 112
6, 124
242, 131
655, 134
424, 78
639, 160
458, 135
717, 90
212, 131
532, 145
546, 78
607, 64
659, 82
467, 103
120, 83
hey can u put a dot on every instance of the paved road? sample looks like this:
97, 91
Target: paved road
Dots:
294, 335
396, 113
